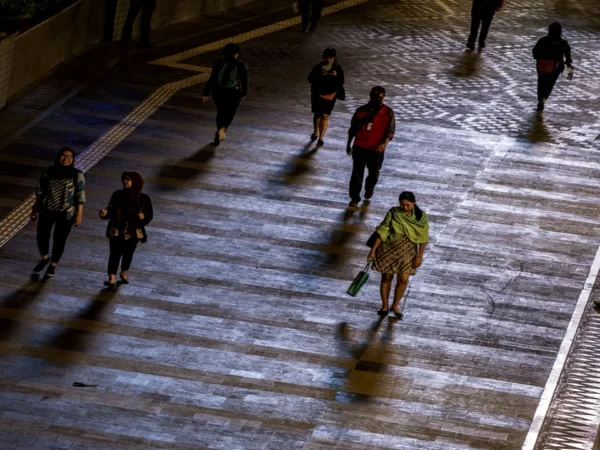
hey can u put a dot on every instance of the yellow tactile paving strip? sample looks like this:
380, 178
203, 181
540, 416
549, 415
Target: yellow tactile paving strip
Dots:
19, 217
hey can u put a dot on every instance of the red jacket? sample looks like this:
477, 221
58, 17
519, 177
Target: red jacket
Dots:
370, 134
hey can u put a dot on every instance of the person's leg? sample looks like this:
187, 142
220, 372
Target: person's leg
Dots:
401, 284
147, 11
317, 126
62, 229
374, 163
475, 21
128, 251
552, 78
545, 85
358, 173
323, 126
134, 9
44, 228
233, 101
385, 289
116, 245
486, 21
304, 6
317, 8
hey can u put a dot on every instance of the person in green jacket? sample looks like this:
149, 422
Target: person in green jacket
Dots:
398, 248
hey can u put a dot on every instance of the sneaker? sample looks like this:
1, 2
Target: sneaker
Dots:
471, 45
43, 263
50, 271
369, 193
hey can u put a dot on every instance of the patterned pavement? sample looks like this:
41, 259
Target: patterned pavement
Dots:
236, 331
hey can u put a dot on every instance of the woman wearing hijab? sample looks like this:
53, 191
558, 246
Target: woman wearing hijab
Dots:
128, 212
228, 84
551, 53
327, 84
59, 201
398, 248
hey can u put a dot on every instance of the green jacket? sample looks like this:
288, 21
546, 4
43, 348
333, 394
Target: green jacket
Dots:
396, 225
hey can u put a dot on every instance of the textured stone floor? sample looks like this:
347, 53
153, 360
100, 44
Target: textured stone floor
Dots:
236, 332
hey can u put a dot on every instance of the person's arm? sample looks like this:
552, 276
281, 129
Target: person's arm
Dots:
79, 198
340, 76
354, 127
315, 74
567, 52
211, 83
244, 79
419, 258
536, 50
500, 5
147, 211
40, 192
383, 231
389, 132
109, 211
377, 243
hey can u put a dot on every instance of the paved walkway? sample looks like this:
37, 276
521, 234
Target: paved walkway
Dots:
236, 331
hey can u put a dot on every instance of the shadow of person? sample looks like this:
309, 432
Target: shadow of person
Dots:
468, 64
339, 237
537, 131
76, 335
299, 165
176, 173
20, 300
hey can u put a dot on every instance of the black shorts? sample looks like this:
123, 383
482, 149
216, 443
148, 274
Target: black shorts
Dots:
321, 105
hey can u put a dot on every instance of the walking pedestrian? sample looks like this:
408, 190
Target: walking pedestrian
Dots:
482, 14
327, 84
372, 128
59, 201
310, 10
128, 213
398, 249
551, 53
228, 84
135, 6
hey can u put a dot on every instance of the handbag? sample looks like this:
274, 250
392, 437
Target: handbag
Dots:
545, 65
372, 239
341, 93
359, 280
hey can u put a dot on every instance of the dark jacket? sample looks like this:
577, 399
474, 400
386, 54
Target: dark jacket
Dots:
116, 201
489, 5
323, 84
213, 81
556, 49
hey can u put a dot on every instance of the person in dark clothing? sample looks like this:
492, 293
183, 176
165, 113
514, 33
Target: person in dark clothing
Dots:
482, 14
327, 84
314, 16
228, 84
135, 6
128, 212
372, 128
551, 53
59, 201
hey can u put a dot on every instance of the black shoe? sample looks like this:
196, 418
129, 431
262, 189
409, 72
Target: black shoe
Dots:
320, 143
399, 315
369, 193
50, 271
471, 45
540, 106
109, 284
353, 204
481, 45
124, 280
43, 263
382, 312
313, 137
216, 141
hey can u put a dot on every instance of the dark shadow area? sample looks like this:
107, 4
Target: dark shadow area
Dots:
177, 173
536, 129
298, 166
20, 300
341, 234
75, 336
468, 64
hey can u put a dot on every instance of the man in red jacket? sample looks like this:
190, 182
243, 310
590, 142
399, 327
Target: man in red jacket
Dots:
372, 128
482, 13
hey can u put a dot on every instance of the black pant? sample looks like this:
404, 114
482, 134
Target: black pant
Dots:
227, 101
121, 250
317, 8
62, 228
480, 16
147, 7
546, 82
361, 158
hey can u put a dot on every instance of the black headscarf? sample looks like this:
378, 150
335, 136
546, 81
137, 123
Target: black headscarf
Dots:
61, 172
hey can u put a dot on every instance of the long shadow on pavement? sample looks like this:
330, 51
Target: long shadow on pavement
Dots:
20, 300
177, 173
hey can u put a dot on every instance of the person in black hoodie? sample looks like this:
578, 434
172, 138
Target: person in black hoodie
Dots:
327, 84
228, 84
551, 53
59, 201
128, 212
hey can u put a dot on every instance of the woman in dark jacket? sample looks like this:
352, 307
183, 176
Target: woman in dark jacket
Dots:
551, 52
327, 84
128, 212
59, 201
228, 84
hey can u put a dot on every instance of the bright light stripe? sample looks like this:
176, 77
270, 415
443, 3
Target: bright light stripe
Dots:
563, 352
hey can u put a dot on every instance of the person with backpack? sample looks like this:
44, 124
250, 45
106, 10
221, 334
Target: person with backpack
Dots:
397, 248
482, 14
327, 84
372, 128
128, 212
59, 201
228, 84
551, 53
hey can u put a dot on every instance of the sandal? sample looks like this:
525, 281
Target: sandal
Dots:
382, 312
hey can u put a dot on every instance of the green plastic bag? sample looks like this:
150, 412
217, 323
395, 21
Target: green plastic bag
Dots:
359, 280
